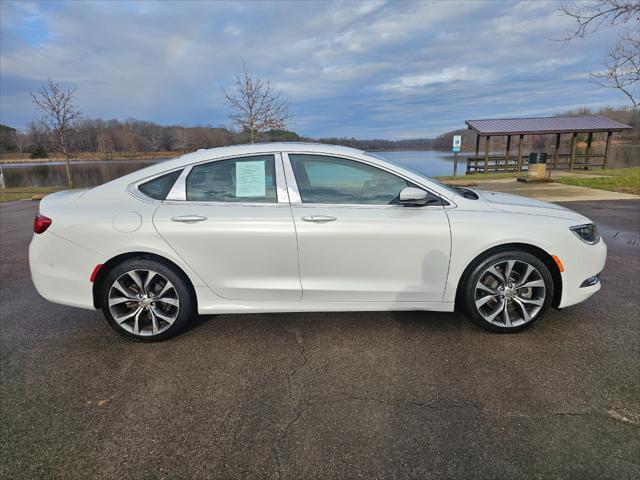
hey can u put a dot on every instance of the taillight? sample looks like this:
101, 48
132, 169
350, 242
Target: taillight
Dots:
41, 223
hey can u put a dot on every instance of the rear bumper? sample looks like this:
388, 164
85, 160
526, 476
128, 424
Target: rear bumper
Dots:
60, 270
581, 261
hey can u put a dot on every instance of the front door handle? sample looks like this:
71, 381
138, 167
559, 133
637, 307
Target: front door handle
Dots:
188, 218
319, 218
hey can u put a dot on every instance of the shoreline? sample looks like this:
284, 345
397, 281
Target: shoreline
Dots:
89, 157
148, 157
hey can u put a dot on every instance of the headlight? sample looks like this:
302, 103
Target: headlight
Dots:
587, 233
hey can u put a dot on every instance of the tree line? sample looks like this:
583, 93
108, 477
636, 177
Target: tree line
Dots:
115, 138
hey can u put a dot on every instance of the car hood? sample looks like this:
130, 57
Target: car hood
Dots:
506, 202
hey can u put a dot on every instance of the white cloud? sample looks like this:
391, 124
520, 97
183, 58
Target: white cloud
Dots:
446, 75
233, 30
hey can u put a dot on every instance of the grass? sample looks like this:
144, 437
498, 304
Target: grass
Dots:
624, 180
26, 193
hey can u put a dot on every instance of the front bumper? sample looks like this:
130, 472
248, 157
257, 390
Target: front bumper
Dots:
581, 262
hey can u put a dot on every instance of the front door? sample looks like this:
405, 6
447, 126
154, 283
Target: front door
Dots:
356, 242
234, 228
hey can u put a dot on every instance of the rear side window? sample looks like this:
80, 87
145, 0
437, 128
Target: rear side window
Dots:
324, 179
245, 179
159, 187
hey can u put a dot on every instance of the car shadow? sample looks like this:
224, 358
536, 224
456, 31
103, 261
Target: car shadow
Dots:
198, 321
431, 321
424, 321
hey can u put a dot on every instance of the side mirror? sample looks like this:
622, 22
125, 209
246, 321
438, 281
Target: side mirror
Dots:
413, 196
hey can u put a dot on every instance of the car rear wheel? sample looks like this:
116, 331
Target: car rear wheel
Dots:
146, 300
508, 292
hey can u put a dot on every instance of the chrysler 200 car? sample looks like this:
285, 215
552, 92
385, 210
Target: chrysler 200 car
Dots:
286, 227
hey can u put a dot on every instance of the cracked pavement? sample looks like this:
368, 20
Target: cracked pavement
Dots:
323, 395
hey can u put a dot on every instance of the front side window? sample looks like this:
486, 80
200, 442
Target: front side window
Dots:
324, 179
160, 187
444, 186
246, 179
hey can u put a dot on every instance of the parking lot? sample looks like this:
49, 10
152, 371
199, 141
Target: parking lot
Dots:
323, 395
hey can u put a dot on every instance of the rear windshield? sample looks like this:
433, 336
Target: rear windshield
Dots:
160, 187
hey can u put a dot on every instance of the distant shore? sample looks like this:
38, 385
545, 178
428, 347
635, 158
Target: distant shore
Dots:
10, 158
89, 156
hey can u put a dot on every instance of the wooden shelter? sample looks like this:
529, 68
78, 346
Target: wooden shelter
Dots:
519, 127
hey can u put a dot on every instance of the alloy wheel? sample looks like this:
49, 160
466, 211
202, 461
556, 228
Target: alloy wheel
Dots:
143, 302
510, 293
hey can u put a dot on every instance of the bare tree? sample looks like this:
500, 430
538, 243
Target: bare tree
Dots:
20, 139
58, 115
622, 68
622, 65
37, 134
105, 144
255, 107
590, 16
180, 136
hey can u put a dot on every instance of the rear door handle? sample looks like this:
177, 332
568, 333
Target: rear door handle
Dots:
188, 218
319, 218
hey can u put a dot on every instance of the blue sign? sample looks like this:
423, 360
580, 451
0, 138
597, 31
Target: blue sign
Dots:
455, 149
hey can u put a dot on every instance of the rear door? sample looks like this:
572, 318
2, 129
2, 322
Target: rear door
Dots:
356, 242
230, 220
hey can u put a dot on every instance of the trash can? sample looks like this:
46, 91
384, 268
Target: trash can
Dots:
537, 166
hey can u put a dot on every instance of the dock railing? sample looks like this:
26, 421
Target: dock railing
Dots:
513, 163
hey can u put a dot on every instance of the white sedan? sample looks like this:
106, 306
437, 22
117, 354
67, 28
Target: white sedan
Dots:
296, 227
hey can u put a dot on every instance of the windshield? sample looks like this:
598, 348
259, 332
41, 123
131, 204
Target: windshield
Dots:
414, 171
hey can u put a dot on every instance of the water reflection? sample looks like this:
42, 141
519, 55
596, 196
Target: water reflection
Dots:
85, 174
91, 173
431, 163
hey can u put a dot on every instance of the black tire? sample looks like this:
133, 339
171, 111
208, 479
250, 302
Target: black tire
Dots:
513, 302
180, 291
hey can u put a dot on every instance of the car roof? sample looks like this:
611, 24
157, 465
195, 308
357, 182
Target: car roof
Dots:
204, 155
253, 148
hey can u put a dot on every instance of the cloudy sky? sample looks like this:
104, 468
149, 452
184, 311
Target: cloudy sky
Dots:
378, 69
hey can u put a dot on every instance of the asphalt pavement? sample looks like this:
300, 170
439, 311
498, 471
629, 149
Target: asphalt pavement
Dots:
323, 395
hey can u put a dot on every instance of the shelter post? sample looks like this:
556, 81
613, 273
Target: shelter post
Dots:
606, 149
487, 145
555, 153
574, 136
588, 152
475, 170
519, 167
507, 153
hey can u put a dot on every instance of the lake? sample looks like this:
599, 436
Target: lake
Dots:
90, 173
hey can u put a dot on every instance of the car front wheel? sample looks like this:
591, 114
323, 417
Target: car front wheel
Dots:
508, 291
146, 300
